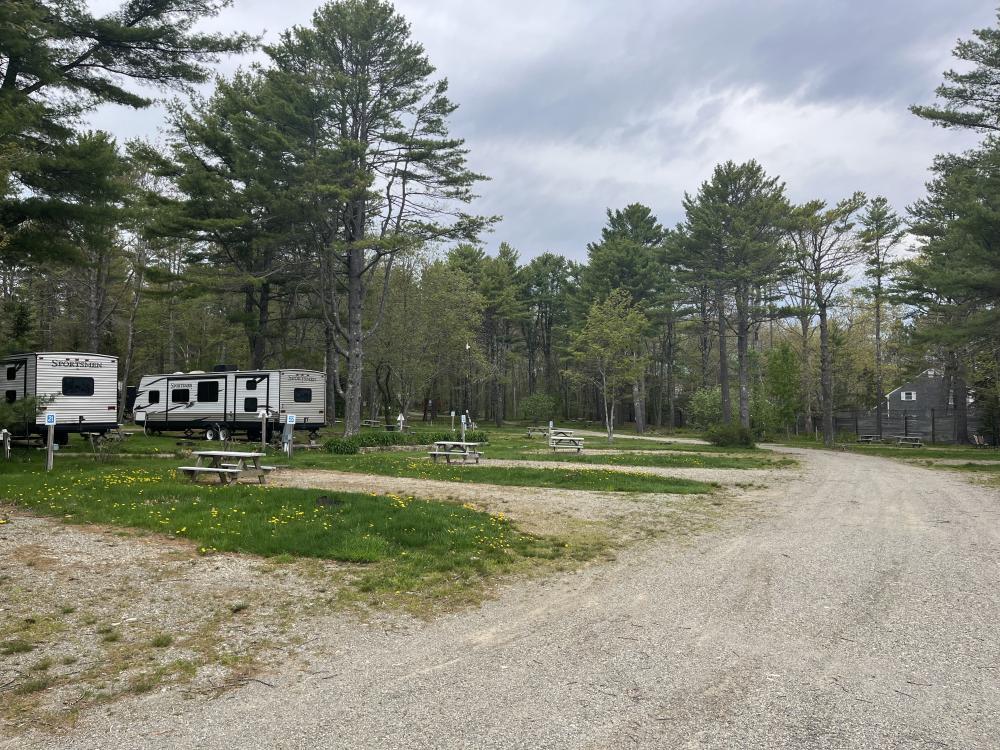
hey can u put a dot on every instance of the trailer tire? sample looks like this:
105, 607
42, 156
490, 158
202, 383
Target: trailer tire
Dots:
211, 434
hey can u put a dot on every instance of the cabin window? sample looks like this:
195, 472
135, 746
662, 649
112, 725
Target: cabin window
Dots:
11, 373
10, 396
154, 397
180, 395
908, 395
250, 404
208, 391
77, 386
251, 385
303, 395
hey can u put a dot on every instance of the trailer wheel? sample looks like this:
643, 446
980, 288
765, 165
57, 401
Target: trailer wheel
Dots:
223, 434
211, 434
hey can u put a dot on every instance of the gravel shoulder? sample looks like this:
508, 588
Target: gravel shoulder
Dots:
853, 606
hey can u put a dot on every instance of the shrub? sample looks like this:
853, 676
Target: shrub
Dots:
730, 436
538, 407
705, 407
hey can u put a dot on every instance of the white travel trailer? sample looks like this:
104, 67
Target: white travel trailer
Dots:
218, 403
81, 389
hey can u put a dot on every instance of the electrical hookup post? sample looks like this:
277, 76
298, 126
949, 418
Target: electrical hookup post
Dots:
262, 414
50, 427
5, 444
288, 434
463, 428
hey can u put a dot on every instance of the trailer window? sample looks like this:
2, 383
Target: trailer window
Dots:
208, 391
251, 385
77, 386
11, 373
154, 397
180, 395
250, 404
10, 396
303, 395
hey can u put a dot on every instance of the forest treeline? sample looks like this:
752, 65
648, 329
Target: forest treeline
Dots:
313, 210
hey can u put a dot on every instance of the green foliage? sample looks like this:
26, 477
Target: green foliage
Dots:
971, 94
782, 386
730, 436
60, 60
539, 407
607, 352
705, 407
18, 415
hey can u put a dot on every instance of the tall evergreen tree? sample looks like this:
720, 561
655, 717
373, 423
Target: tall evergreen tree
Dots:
826, 247
736, 223
57, 60
881, 233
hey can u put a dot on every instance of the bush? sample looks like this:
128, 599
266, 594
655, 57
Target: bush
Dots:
349, 446
730, 436
705, 407
538, 407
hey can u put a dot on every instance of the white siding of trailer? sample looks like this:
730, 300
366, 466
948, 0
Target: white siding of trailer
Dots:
312, 412
50, 368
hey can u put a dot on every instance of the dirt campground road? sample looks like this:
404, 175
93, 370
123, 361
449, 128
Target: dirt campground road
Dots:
859, 610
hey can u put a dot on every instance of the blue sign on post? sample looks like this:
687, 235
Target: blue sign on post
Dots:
50, 419
289, 419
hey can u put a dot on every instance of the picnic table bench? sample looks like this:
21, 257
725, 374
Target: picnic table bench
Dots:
565, 441
228, 466
543, 431
450, 449
869, 438
914, 441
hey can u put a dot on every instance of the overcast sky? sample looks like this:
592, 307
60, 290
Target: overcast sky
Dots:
574, 107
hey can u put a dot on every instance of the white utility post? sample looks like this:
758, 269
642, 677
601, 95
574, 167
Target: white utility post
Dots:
288, 436
5, 443
262, 413
452, 420
50, 424
463, 428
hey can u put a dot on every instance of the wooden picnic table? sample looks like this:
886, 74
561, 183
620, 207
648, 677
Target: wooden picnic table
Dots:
543, 431
562, 432
869, 438
914, 441
450, 449
228, 466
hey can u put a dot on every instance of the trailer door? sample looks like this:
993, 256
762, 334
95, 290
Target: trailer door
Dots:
252, 392
15, 380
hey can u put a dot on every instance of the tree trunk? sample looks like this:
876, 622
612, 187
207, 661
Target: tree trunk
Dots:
639, 403
137, 278
807, 385
743, 364
727, 407
878, 356
330, 361
961, 391
705, 339
670, 354
355, 342
826, 376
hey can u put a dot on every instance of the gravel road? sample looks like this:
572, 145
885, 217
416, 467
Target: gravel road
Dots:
858, 610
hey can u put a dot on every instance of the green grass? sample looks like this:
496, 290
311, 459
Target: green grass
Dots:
418, 466
412, 539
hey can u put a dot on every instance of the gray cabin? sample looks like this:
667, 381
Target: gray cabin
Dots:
924, 406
